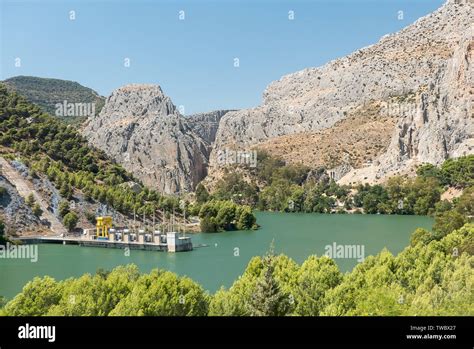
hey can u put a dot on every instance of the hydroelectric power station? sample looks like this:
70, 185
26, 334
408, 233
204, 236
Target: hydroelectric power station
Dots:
104, 235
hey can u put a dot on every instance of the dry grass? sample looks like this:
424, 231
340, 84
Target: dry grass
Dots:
361, 137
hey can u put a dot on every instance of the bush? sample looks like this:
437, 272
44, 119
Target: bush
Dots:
37, 211
63, 208
447, 222
208, 225
70, 221
90, 216
30, 200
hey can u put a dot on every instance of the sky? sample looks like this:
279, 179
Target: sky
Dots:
206, 55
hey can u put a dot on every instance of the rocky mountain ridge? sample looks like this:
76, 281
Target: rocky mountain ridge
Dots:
418, 76
207, 124
377, 112
140, 128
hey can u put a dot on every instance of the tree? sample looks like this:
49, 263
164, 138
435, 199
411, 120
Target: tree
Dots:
420, 235
268, 299
226, 215
3, 302
246, 219
234, 187
296, 200
429, 170
70, 221
387, 300
276, 196
315, 277
459, 172
208, 225
36, 298
37, 211
30, 200
447, 222
163, 293
63, 208
2, 233
465, 203
202, 195
95, 295
370, 203
90, 216
66, 190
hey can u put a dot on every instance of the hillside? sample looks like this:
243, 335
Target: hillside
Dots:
42, 156
140, 128
417, 77
206, 124
47, 93
50, 176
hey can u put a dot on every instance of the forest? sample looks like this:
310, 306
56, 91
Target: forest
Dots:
277, 186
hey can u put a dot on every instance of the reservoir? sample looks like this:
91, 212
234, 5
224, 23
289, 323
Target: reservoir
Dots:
226, 254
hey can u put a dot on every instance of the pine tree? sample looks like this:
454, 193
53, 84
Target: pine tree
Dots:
268, 300
202, 195
63, 208
37, 211
30, 200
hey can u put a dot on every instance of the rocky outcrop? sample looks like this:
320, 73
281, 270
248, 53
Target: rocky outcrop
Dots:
421, 76
140, 128
17, 215
206, 124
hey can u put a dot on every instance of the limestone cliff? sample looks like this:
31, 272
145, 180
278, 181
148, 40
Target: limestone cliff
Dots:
417, 84
140, 128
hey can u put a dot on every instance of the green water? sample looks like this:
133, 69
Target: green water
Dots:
296, 235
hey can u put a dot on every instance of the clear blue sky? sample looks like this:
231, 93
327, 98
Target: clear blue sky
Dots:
192, 60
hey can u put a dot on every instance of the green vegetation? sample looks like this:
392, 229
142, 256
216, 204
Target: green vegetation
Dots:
291, 188
268, 299
51, 148
37, 211
30, 200
46, 93
118, 293
234, 188
63, 208
202, 195
453, 172
225, 215
3, 241
70, 221
432, 276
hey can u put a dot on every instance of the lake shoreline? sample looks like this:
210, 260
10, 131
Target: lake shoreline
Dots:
227, 254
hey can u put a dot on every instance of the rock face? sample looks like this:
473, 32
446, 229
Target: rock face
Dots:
207, 124
18, 216
141, 129
422, 77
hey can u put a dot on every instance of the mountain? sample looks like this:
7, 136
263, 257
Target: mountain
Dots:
379, 111
67, 100
140, 128
207, 124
